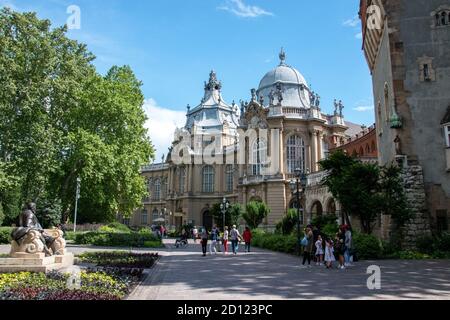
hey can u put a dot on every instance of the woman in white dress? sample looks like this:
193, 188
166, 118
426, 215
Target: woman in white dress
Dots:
329, 253
319, 250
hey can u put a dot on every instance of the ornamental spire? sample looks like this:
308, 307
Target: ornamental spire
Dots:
282, 56
213, 83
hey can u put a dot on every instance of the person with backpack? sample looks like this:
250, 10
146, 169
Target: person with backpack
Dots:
308, 244
204, 236
214, 237
235, 236
247, 235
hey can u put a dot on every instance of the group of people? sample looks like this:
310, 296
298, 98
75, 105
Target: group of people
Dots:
326, 252
223, 240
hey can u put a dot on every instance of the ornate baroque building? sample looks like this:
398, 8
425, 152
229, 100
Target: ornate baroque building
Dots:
248, 164
407, 47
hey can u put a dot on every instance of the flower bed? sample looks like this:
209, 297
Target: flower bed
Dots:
120, 259
54, 286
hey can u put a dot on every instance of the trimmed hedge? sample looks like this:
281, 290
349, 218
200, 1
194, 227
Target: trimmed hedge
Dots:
5, 235
117, 239
274, 242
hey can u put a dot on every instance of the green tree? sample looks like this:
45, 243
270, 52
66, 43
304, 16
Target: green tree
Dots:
60, 120
232, 215
288, 223
366, 190
255, 213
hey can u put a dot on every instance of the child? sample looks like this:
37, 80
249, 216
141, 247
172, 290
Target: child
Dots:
319, 250
329, 253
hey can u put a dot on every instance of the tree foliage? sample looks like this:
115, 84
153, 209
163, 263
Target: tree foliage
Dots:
232, 215
255, 213
60, 119
366, 190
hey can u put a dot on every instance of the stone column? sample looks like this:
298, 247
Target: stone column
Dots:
320, 136
281, 150
314, 151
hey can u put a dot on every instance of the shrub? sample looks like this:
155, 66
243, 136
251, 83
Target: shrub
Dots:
288, 223
275, 242
443, 242
5, 235
116, 239
255, 213
119, 226
367, 246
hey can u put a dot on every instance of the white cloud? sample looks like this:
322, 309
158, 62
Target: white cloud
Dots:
364, 108
161, 126
354, 22
359, 35
239, 8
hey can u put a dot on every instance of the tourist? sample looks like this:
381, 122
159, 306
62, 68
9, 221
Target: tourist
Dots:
348, 246
235, 237
247, 235
204, 237
195, 234
308, 245
214, 237
340, 247
319, 250
225, 240
329, 253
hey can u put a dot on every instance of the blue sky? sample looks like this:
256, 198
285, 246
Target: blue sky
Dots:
173, 44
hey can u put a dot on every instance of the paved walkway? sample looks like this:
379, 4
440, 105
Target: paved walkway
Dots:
184, 274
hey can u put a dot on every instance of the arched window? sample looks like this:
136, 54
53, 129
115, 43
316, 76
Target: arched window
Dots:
229, 172
295, 153
444, 20
361, 151
157, 190
259, 156
367, 149
144, 217
374, 148
208, 179
181, 179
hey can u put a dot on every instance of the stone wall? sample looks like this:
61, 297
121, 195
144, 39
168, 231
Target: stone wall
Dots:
419, 224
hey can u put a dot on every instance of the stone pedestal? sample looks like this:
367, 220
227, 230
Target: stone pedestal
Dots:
28, 255
37, 262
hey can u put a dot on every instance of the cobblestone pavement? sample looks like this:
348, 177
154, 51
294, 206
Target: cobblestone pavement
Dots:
185, 274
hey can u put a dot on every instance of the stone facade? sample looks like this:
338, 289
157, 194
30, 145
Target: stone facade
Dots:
255, 148
407, 46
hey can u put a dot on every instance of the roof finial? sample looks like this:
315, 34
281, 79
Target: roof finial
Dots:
282, 56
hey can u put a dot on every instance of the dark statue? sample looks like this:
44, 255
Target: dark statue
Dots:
27, 222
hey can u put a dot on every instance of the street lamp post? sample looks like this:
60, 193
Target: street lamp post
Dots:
300, 181
224, 208
77, 196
